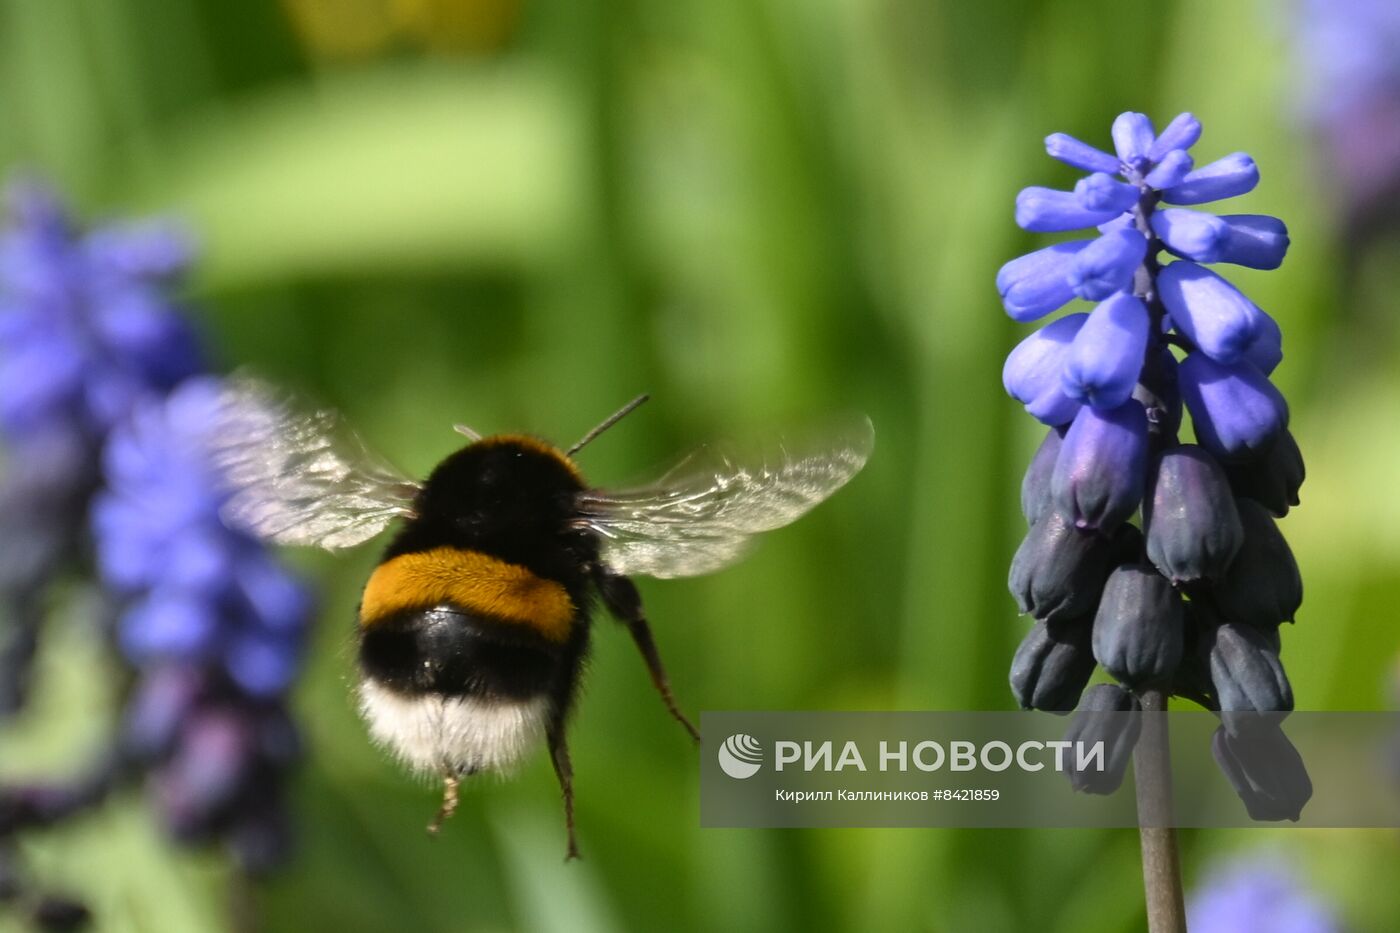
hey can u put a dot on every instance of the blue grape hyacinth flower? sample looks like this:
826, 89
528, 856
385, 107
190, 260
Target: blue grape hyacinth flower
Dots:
1189, 601
87, 327
103, 413
1261, 895
199, 590
215, 624
1231, 345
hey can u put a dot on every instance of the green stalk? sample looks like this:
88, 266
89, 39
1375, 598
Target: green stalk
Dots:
1161, 858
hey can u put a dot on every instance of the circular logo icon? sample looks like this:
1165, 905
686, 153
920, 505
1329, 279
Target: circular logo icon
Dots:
741, 756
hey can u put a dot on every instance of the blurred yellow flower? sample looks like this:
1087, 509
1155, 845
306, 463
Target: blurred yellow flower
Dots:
355, 29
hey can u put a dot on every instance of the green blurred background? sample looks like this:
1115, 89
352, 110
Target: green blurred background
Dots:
519, 213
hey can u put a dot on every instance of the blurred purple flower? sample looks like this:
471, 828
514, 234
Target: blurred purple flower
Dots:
215, 624
1348, 48
87, 324
86, 328
1258, 896
197, 591
1348, 83
100, 384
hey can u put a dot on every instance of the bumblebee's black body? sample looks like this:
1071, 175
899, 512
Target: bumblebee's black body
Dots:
452, 653
480, 607
512, 500
475, 624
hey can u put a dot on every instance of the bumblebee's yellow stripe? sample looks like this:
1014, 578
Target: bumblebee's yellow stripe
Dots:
472, 580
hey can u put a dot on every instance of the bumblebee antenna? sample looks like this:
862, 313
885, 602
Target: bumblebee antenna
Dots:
611, 420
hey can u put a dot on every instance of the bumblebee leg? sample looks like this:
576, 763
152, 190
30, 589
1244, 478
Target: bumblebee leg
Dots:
451, 782
622, 599
564, 770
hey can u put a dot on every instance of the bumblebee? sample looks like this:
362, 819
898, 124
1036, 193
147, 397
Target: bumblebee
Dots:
474, 627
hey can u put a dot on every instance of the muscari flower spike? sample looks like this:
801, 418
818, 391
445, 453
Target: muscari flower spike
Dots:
100, 384
215, 624
1191, 601
87, 326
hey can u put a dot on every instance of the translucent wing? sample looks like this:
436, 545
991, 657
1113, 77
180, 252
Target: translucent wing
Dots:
701, 515
301, 477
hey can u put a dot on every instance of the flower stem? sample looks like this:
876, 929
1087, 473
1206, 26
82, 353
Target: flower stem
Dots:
242, 903
1161, 861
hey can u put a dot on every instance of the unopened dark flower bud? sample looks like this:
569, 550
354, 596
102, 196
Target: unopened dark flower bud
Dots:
1100, 473
1035, 487
1111, 715
1193, 529
1052, 665
1058, 570
1274, 478
1139, 628
1262, 587
1265, 770
1245, 671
